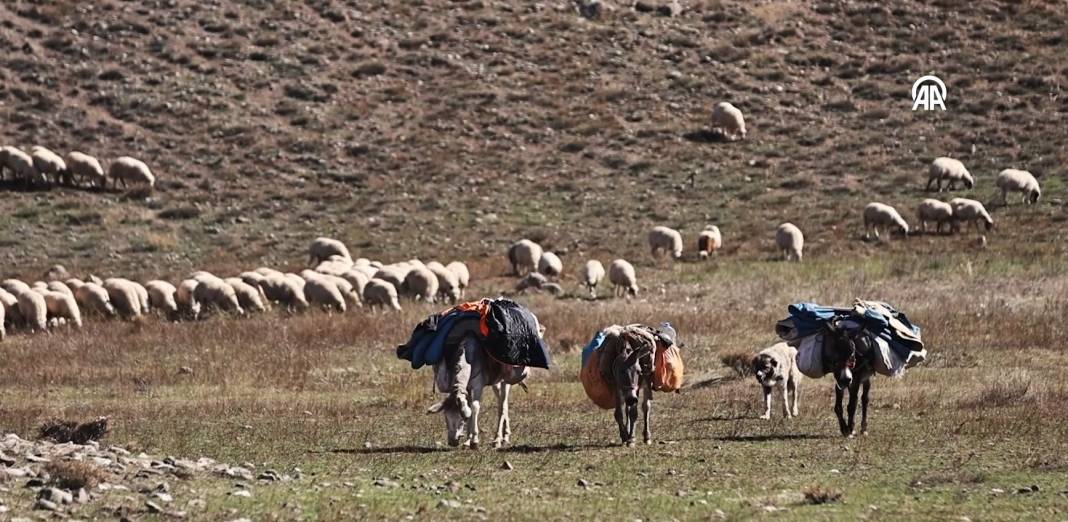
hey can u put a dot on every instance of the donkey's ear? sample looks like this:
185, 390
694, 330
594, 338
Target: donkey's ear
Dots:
435, 408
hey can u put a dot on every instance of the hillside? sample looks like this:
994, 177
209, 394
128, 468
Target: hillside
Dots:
448, 127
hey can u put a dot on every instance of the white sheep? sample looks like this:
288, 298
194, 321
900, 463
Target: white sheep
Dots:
124, 297
882, 215
940, 212
523, 256
15, 286
367, 270
60, 286
950, 170
592, 274
85, 168
790, 241
462, 275
334, 266
130, 171
142, 296
213, 292
320, 289
709, 241
549, 264
348, 291
531, 281
448, 283
323, 247
33, 309
49, 164
3, 327
19, 163
185, 298
249, 298
623, 278
161, 296
381, 293
267, 272
667, 240
10, 304
970, 211
1013, 180
63, 307
421, 283
728, 121
392, 274
357, 279
252, 278
56, 273
285, 291
93, 299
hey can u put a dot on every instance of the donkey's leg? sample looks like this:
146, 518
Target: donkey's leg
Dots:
854, 388
621, 419
503, 429
864, 407
767, 403
647, 404
632, 421
472, 423
838, 394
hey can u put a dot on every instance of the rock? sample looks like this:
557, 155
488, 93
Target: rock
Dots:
46, 505
6, 460
242, 493
185, 370
166, 498
671, 9
643, 7
590, 9
507, 466
56, 495
385, 483
1024, 491
446, 503
270, 476
153, 507
584, 483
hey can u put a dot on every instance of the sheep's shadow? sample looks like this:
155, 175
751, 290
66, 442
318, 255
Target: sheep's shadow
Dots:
388, 450
527, 449
706, 135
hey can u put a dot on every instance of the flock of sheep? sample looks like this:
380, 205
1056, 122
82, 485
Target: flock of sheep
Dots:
336, 283
43, 168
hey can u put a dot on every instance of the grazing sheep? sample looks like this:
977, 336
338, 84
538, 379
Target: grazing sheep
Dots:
20, 164
185, 298
130, 171
61, 306
252, 278
249, 298
728, 120
462, 275
161, 296
56, 273
33, 309
592, 274
421, 283
549, 264
85, 168
448, 283
10, 304
381, 293
212, 292
94, 299
709, 241
553, 289
123, 297
393, 275
941, 213
322, 289
3, 328
524, 256
347, 289
624, 281
59, 286
142, 296
879, 214
777, 364
94, 279
49, 164
367, 270
950, 170
532, 281
285, 291
1013, 180
323, 247
970, 211
268, 272
666, 240
334, 266
357, 279
790, 241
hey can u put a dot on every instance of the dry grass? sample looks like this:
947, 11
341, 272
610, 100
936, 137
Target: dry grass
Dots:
818, 495
75, 474
741, 363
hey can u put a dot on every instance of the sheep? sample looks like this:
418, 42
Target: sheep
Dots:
123, 297
347, 289
709, 241
666, 240
321, 290
20, 164
3, 328
970, 211
728, 121
14, 286
549, 264
524, 256
130, 171
368, 271
62, 306
49, 163
448, 283
268, 272
790, 241
252, 278
285, 291
10, 304
357, 279
934, 210
950, 170
533, 280
462, 275
161, 296
212, 292
56, 273
381, 293
59, 286
1013, 180
391, 274
85, 168
334, 266
323, 247
185, 298
624, 281
94, 279
142, 296
249, 297
94, 299
879, 214
592, 274
34, 310
421, 283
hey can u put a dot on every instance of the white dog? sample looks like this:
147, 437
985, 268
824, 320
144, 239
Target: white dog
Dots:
777, 365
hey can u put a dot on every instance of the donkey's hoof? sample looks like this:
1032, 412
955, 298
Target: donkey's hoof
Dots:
628, 443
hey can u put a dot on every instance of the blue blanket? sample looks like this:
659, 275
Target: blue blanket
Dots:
878, 318
594, 344
427, 344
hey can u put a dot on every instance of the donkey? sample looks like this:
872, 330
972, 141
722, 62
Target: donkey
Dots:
850, 356
627, 363
463, 373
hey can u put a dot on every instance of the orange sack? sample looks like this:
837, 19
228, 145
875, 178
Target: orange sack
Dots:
597, 389
667, 369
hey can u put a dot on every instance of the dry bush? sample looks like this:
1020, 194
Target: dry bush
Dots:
741, 362
75, 474
817, 494
1009, 389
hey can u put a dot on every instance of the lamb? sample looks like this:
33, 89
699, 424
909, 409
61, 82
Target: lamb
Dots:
462, 275
941, 213
1013, 180
49, 163
728, 121
161, 296
212, 292
777, 364
20, 164
249, 297
621, 275
381, 293
709, 241
951, 170
34, 310
524, 256
421, 283
790, 241
130, 171
123, 297
85, 168
448, 283
185, 298
879, 214
549, 264
592, 274
94, 299
970, 211
666, 240
323, 247
61, 306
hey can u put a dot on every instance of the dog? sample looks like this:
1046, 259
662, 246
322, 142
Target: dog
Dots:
777, 365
